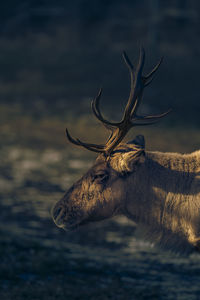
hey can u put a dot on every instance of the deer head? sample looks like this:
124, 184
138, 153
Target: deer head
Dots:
103, 191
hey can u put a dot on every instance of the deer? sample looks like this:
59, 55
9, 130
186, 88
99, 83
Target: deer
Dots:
159, 191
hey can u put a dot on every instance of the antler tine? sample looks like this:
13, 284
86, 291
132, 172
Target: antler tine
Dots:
140, 65
145, 81
77, 142
149, 77
92, 147
127, 62
152, 117
98, 115
71, 139
136, 85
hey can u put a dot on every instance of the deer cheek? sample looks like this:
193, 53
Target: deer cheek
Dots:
118, 191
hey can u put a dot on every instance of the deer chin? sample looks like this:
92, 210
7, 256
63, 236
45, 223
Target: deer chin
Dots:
68, 226
71, 226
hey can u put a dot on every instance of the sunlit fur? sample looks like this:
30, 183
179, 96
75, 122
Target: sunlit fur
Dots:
158, 191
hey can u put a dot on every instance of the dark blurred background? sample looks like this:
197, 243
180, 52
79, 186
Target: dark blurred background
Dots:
55, 54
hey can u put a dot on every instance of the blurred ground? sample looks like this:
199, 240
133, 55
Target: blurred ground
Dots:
101, 261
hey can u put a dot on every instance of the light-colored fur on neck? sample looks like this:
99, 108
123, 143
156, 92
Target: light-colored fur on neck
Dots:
166, 199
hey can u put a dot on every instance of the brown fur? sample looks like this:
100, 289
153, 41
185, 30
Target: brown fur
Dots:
159, 191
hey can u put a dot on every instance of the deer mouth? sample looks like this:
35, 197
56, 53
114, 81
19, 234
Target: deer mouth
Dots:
67, 225
61, 219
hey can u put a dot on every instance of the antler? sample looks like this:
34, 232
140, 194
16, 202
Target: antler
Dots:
130, 117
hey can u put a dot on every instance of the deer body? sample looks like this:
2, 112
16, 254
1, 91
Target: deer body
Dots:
159, 191
167, 199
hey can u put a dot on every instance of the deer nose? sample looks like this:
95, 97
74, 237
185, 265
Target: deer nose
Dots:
57, 213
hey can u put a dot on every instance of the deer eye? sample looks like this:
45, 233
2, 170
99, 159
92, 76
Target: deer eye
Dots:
101, 177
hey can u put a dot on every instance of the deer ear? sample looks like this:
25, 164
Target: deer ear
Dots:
138, 140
